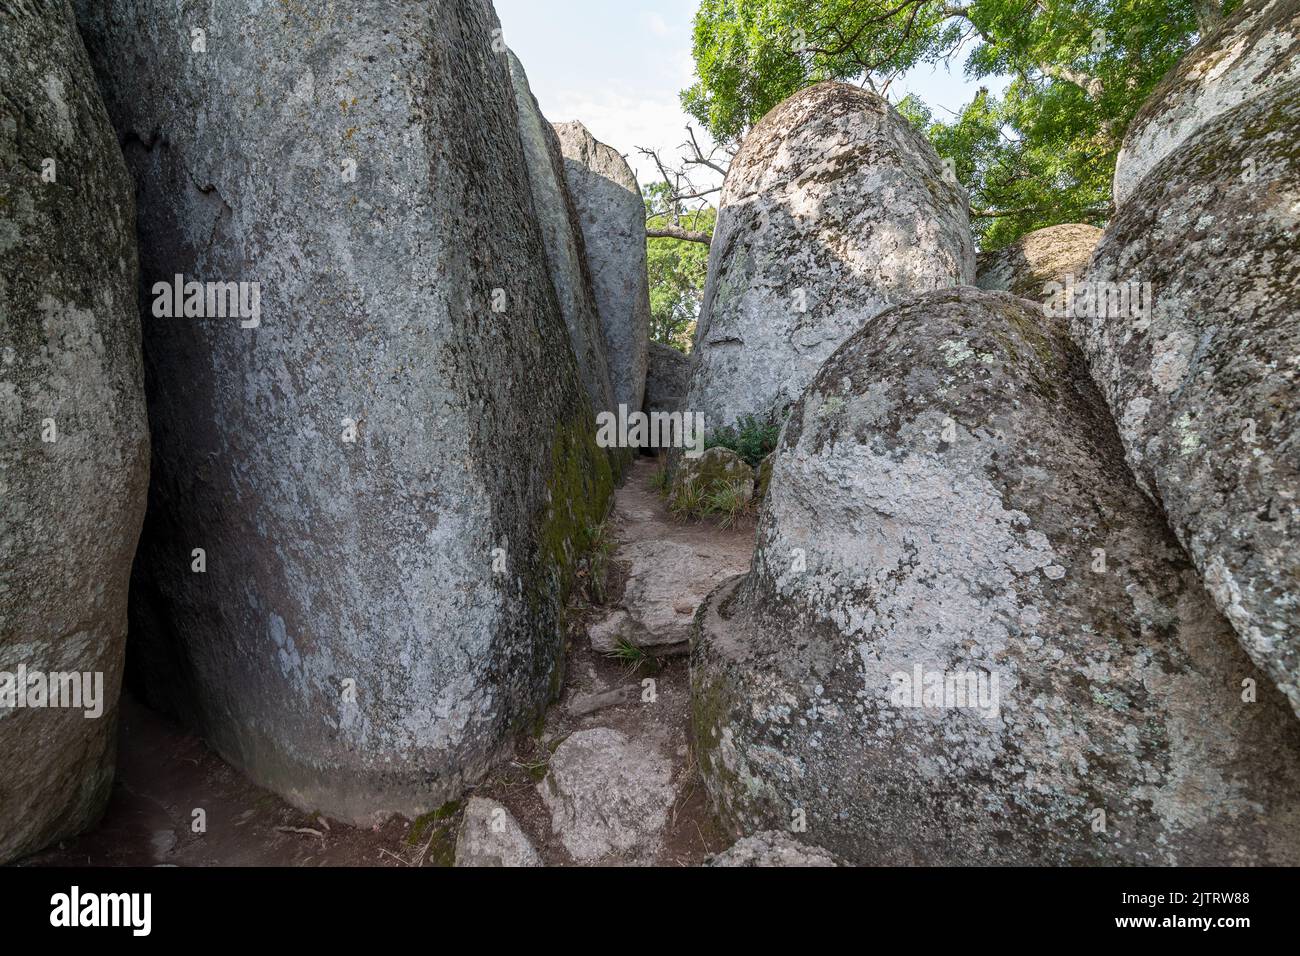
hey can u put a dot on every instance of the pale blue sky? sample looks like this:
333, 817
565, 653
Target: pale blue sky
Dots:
618, 65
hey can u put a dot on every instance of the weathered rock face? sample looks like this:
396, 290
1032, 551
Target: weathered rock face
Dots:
950, 497
390, 474
612, 214
773, 848
833, 210
566, 251
490, 837
74, 463
667, 376
1254, 51
1205, 384
1030, 264
608, 794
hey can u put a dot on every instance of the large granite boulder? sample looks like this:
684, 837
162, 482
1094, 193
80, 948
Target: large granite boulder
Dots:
74, 462
1204, 377
1254, 51
1029, 266
968, 637
668, 374
367, 499
834, 209
612, 213
566, 252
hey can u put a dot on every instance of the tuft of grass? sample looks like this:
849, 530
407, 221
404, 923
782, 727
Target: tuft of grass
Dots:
751, 438
728, 503
632, 657
536, 769
686, 500
594, 571
659, 480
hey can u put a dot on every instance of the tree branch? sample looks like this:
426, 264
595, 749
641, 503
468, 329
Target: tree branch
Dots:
677, 232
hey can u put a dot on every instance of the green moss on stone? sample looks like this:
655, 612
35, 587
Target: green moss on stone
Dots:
420, 828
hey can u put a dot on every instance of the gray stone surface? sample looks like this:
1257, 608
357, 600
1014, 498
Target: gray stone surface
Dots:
612, 214
1206, 388
773, 848
608, 794
1029, 265
490, 836
1254, 51
566, 251
941, 499
355, 644
834, 209
667, 376
667, 581
70, 354
606, 633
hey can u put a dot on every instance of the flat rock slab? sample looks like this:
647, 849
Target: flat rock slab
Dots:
668, 581
612, 216
490, 836
607, 794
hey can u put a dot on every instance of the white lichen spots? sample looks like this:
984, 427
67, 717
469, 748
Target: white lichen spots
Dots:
1133, 422
1170, 359
286, 656
62, 114
1185, 430
955, 352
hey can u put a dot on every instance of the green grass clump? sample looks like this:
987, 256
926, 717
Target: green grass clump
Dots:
728, 503
594, 569
686, 500
659, 480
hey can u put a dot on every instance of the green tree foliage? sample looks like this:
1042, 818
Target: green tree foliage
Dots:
1040, 154
677, 267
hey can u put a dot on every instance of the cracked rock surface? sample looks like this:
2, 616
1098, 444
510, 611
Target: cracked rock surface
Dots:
353, 465
1205, 385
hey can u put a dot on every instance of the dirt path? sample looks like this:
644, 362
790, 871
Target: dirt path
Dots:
164, 773
639, 518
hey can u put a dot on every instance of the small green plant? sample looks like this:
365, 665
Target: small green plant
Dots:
628, 654
751, 438
686, 500
594, 572
729, 502
659, 480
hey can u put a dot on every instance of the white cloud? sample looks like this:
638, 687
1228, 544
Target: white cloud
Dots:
654, 23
